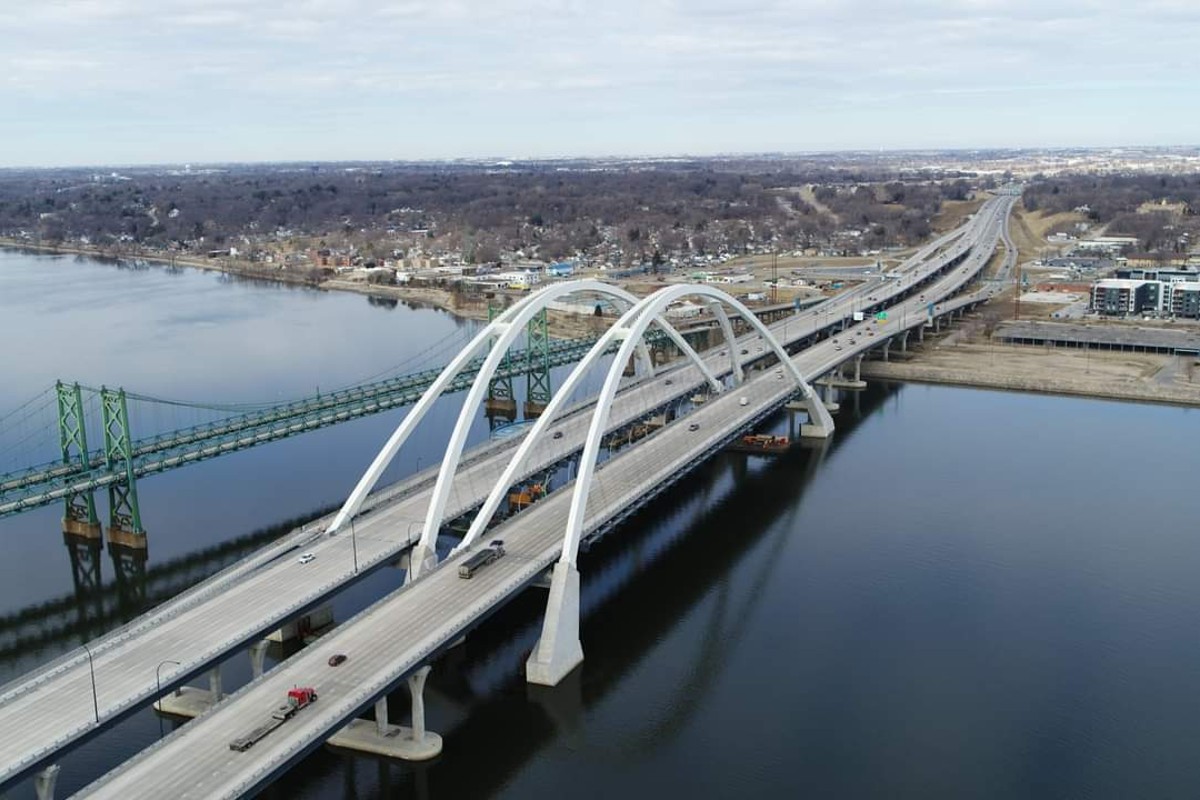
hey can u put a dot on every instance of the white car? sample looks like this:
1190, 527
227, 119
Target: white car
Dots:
307, 558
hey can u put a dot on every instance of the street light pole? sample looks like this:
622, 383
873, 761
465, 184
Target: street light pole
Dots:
354, 546
92, 670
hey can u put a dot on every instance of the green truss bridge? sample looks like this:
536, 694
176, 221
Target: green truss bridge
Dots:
115, 466
83, 468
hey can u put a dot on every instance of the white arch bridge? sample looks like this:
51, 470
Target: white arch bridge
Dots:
559, 650
71, 699
400, 635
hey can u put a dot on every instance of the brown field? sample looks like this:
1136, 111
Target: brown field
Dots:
954, 213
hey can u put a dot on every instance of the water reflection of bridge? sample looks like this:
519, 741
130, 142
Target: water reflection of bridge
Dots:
94, 606
697, 535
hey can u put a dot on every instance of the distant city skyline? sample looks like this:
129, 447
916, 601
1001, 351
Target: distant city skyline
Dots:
178, 81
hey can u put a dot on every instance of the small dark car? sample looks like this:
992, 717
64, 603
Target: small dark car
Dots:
336, 658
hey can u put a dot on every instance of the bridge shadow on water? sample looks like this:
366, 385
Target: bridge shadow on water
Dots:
675, 559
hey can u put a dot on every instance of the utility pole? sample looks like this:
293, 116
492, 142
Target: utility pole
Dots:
774, 278
1017, 296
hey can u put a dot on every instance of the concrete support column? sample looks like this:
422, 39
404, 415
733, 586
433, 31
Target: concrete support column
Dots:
921, 334
394, 741
887, 348
904, 343
558, 650
214, 684
858, 368
381, 716
43, 782
258, 654
416, 687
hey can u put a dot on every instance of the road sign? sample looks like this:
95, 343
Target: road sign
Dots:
881, 316
858, 316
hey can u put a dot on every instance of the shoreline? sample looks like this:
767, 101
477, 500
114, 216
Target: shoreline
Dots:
439, 298
1069, 374
562, 325
971, 364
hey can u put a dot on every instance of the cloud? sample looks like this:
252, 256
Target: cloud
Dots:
518, 63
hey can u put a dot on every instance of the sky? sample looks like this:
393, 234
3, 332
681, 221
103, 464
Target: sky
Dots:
196, 81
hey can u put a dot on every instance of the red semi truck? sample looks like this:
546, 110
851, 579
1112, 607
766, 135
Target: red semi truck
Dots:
297, 699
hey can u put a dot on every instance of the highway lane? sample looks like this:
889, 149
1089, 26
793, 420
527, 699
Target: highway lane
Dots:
400, 632
53, 707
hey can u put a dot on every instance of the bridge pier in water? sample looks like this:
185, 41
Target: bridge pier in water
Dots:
79, 509
558, 649
125, 515
191, 702
44, 781
382, 738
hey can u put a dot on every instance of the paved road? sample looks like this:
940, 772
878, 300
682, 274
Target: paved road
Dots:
51, 708
400, 632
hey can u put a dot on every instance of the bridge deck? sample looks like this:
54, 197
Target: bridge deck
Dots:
401, 632
45, 712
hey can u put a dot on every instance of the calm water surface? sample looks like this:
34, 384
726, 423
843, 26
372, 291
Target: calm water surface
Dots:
963, 594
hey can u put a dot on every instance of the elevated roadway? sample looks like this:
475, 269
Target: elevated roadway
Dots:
51, 709
411, 626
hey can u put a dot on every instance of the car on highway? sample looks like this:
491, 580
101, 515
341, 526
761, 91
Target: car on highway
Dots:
695, 426
557, 435
336, 658
307, 558
837, 347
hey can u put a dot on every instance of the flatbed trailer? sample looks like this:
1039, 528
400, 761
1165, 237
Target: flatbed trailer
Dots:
296, 700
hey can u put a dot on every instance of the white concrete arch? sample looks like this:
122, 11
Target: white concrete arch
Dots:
558, 650
508, 326
648, 309
424, 554
550, 414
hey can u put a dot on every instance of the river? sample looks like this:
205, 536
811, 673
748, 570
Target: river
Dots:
963, 594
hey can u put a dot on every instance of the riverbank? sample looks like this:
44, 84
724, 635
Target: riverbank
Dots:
562, 325
1142, 377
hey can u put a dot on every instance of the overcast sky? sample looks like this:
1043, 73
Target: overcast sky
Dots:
135, 81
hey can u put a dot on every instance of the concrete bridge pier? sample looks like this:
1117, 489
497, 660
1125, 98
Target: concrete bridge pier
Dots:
921, 333
558, 650
258, 654
305, 625
887, 348
826, 394
214, 683
904, 342
190, 702
394, 741
43, 782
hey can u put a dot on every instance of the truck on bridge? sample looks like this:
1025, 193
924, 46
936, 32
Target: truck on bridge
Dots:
481, 559
297, 699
